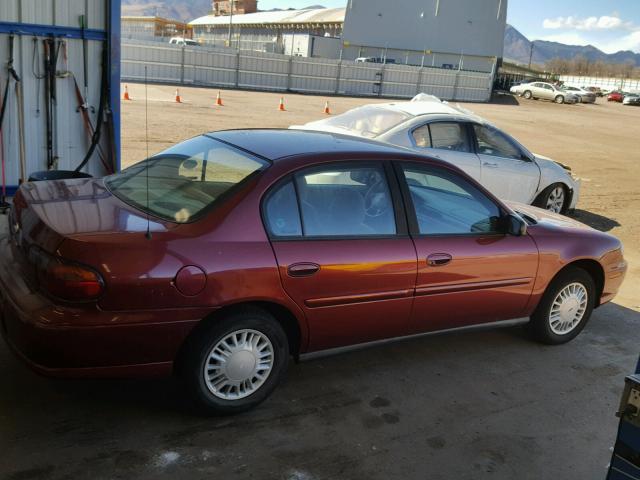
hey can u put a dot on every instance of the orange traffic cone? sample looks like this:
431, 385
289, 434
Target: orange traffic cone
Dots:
126, 93
178, 99
219, 100
326, 108
281, 107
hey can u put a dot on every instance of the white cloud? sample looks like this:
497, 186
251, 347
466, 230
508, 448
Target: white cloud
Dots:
628, 42
605, 22
595, 31
569, 38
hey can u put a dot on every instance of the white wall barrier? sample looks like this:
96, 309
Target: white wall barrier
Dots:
227, 67
611, 83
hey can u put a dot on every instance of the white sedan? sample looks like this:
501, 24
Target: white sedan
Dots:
545, 91
487, 154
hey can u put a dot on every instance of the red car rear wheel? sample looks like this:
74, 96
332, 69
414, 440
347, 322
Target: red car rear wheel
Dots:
234, 363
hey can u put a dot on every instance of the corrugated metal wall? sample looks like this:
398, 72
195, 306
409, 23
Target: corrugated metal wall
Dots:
71, 141
209, 66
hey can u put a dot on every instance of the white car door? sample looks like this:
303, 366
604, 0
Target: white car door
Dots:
549, 92
537, 90
448, 141
505, 169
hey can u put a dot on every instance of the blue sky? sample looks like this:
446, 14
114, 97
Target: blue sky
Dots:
610, 25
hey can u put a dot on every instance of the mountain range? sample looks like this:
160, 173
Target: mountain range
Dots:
517, 48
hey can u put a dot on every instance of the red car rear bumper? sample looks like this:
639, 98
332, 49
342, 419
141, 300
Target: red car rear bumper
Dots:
102, 351
79, 341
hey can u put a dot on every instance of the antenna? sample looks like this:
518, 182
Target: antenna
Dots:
146, 133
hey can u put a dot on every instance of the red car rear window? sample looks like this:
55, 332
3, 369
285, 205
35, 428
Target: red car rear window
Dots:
182, 182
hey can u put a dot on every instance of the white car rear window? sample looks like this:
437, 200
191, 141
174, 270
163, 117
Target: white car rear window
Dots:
368, 121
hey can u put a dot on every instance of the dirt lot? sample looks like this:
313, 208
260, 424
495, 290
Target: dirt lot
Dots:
465, 406
600, 142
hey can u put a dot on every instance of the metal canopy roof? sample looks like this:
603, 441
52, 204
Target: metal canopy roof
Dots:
316, 15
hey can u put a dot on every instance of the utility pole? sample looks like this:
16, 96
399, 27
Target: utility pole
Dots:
232, 3
531, 55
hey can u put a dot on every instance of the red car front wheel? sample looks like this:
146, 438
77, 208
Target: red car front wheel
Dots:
565, 307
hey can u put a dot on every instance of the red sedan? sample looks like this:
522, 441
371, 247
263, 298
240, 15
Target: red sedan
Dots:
223, 256
615, 97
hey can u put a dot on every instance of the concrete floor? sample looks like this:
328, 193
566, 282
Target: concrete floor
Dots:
466, 406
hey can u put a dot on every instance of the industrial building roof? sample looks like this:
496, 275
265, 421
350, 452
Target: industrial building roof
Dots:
150, 18
316, 15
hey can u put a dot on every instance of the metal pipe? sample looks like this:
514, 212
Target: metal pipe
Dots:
230, 22
531, 54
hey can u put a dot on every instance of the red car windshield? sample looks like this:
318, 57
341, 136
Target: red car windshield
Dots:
184, 181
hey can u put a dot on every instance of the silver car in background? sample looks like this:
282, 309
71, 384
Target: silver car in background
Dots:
584, 96
631, 99
455, 135
545, 91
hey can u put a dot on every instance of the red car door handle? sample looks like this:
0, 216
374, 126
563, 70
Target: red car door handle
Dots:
302, 269
438, 259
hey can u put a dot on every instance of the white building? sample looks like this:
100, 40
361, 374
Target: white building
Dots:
274, 31
465, 34
452, 33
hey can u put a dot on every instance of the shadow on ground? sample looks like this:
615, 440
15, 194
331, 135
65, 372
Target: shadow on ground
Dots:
599, 222
504, 98
472, 405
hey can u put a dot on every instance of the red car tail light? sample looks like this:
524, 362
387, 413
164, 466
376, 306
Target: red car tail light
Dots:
65, 280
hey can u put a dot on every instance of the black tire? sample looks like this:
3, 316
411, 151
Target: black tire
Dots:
527, 94
543, 199
540, 324
198, 349
559, 99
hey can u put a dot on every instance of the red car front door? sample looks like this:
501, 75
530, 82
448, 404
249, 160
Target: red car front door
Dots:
343, 252
469, 272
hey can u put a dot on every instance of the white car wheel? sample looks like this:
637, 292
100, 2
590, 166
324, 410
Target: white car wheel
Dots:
556, 199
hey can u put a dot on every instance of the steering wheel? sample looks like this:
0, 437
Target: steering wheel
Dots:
376, 202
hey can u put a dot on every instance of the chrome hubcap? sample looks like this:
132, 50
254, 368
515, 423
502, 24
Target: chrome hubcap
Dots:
568, 308
239, 364
555, 202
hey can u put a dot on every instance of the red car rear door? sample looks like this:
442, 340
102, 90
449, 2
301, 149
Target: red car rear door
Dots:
343, 251
469, 272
